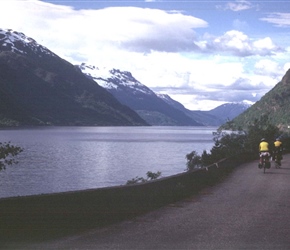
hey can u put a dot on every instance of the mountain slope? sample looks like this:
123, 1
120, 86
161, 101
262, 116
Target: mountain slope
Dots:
214, 117
39, 88
229, 111
275, 104
137, 96
202, 117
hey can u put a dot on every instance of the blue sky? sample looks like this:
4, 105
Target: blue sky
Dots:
201, 53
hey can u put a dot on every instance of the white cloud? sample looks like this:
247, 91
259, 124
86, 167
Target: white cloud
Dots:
161, 49
268, 67
278, 19
197, 102
128, 28
264, 44
239, 44
286, 67
238, 5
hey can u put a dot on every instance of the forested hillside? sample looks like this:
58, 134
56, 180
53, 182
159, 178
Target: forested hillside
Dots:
275, 104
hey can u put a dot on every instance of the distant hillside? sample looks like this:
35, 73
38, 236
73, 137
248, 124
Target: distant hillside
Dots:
39, 88
214, 117
137, 96
275, 104
157, 109
229, 111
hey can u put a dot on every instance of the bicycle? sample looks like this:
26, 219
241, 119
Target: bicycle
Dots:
277, 157
265, 159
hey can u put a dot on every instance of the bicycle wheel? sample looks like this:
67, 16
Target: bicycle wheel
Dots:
264, 164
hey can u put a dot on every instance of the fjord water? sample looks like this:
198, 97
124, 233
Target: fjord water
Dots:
58, 159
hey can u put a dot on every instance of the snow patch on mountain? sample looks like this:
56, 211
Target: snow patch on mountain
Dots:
114, 78
99, 75
19, 43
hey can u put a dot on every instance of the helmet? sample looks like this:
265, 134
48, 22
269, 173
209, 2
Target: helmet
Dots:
263, 139
277, 139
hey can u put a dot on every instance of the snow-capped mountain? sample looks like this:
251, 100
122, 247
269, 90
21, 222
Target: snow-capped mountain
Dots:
38, 87
115, 79
137, 96
155, 108
19, 43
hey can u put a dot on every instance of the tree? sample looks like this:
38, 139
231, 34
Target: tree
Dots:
7, 154
228, 144
193, 160
261, 128
232, 143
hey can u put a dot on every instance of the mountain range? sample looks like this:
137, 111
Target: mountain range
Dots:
154, 108
39, 88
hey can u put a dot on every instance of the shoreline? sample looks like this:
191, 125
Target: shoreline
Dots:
42, 217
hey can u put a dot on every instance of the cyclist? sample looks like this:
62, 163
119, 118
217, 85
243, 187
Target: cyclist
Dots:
277, 152
264, 151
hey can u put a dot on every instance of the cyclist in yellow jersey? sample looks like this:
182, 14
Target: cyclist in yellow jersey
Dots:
264, 146
278, 143
263, 150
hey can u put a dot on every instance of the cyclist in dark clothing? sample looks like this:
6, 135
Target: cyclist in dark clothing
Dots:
277, 152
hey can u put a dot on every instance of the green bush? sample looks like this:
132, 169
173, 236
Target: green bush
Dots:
150, 176
193, 160
7, 154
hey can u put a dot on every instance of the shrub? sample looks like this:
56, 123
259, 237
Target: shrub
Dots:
193, 160
150, 176
7, 154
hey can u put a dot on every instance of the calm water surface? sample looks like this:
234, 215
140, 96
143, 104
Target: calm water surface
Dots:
57, 159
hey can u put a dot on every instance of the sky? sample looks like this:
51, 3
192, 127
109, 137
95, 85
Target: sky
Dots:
201, 53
